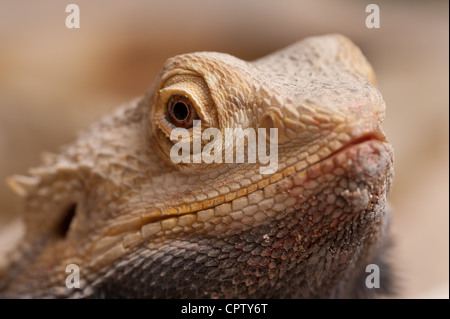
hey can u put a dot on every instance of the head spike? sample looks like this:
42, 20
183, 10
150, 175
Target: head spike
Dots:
49, 158
22, 185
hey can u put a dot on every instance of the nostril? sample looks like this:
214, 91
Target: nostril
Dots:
64, 225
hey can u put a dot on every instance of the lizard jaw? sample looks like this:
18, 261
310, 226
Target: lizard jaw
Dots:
357, 157
367, 161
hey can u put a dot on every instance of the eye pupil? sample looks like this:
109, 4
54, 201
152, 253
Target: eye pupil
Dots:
180, 111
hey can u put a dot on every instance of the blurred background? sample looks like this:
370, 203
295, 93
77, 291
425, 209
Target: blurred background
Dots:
54, 81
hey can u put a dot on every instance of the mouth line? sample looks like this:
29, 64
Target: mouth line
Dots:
370, 137
366, 138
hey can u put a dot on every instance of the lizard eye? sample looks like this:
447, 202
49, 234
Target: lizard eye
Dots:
181, 112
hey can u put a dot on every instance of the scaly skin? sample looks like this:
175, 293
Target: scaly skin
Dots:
146, 227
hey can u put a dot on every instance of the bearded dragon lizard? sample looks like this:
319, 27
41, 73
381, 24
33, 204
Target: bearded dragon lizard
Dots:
139, 225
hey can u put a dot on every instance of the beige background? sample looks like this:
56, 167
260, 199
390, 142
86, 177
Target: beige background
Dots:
55, 81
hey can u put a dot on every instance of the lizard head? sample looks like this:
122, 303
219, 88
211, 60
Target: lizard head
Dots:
138, 222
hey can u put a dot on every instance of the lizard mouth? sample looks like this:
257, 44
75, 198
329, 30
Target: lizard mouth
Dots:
358, 149
366, 159
358, 141
376, 136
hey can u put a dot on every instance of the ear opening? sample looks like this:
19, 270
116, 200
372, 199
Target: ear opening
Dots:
66, 221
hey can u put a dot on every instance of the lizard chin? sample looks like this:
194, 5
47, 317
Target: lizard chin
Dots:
367, 162
367, 159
